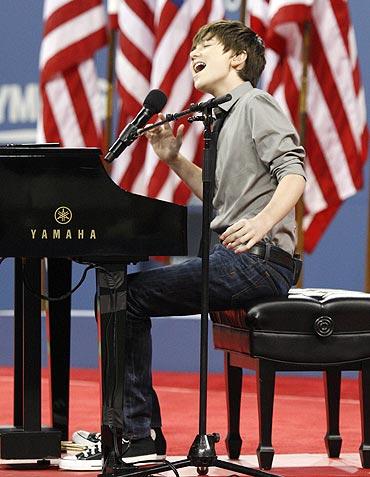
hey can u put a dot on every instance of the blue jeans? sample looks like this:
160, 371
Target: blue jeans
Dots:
176, 290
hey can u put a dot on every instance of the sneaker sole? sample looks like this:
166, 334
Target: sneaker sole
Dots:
90, 465
79, 465
139, 459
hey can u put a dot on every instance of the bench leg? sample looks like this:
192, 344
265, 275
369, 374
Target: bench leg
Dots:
364, 382
265, 375
233, 379
332, 382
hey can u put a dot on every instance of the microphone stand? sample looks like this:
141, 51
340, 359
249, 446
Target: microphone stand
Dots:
202, 453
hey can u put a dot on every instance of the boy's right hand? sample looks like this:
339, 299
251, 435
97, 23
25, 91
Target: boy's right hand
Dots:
164, 142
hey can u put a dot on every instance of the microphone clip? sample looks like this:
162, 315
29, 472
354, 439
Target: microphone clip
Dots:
210, 104
192, 119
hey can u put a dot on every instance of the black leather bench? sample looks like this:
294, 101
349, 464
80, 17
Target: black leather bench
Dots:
311, 330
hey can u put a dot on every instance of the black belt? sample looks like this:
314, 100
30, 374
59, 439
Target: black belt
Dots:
273, 254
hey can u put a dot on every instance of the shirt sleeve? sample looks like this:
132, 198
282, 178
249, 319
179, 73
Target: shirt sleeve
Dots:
275, 139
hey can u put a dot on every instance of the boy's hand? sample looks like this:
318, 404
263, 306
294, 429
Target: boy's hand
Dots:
245, 233
165, 144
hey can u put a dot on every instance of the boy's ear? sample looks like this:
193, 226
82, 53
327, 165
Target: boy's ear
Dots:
238, 60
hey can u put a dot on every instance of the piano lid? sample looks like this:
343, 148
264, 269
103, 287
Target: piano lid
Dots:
60, 202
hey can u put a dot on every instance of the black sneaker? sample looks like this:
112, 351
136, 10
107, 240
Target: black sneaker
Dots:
141, 450
90, 439
134, 452
159, 441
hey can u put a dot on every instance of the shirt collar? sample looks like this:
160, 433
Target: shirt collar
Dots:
236, 93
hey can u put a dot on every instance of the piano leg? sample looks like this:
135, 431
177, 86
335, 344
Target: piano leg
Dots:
27, 440
32, 348
59, 336
18, 344
111, 296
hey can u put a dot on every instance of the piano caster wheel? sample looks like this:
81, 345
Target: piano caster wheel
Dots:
202, 470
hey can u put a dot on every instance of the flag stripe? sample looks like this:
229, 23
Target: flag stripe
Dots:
69, 13
322, 132
51, 7
86, 28
193, 14
338, 64
336, 130
172, 26
71, 112
133, 66
50, 131
134, 55
135, 23
63, 112
334, 100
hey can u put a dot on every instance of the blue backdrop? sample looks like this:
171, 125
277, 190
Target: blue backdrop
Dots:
337, 262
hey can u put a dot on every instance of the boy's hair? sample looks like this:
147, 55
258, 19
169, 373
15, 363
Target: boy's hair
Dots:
237, 37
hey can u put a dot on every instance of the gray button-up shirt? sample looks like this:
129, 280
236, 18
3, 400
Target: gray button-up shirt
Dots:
256, 148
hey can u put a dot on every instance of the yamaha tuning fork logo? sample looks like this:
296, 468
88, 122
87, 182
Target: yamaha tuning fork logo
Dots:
62, 215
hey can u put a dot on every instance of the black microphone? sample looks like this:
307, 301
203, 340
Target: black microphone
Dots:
153, 104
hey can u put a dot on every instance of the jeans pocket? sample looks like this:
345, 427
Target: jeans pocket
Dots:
271, 282
282, 278
261, 286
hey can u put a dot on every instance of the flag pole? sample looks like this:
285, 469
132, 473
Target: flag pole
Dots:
108, 125
112, 7
242, 11
302, 127
367, 263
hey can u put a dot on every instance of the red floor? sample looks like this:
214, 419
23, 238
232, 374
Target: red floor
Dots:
298, 426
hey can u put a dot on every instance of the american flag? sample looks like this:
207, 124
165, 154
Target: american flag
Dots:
155, 39
336, 135
73, 31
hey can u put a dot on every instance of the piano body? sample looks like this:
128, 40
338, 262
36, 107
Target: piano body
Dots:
59, 203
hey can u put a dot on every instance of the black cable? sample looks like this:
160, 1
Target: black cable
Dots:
113, 290
113, 293
111, 315
172, 467
148, 473
61, 297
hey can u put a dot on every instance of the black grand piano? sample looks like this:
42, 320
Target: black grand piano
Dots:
59, 203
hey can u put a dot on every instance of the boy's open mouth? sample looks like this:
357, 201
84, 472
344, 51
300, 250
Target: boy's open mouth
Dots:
199, 66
